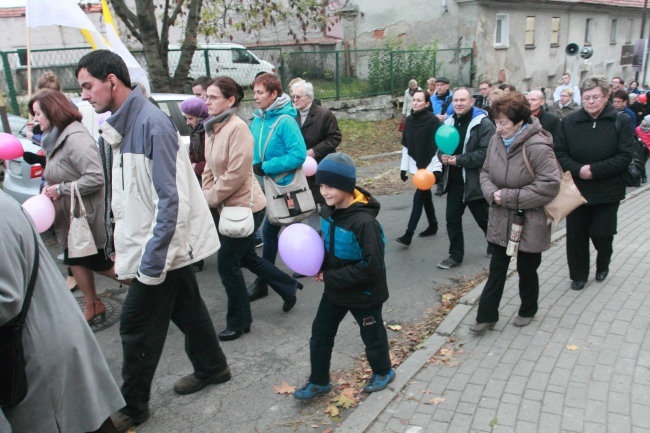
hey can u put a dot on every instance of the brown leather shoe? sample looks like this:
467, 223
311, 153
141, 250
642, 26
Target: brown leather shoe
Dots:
191, 384
124, 422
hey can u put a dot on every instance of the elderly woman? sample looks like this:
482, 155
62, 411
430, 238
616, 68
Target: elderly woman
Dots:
195, 112
565, 104
597, 153
279, 151
407, 106
512, 189
72, 156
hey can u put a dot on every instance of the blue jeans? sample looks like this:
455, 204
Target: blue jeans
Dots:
144, 322
283, 284
324, 329
264, 267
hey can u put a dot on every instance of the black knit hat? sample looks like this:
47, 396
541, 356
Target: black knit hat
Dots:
338, 171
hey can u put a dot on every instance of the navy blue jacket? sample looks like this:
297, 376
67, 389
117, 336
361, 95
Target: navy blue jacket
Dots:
354, 268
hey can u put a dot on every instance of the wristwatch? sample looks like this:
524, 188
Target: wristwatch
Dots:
58, 188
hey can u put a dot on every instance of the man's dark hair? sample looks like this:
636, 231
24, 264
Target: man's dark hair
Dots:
202, 81
621, 94
101, 63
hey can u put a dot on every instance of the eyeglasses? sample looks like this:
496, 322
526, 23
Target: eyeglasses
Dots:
563, 95
591, 98
297, 96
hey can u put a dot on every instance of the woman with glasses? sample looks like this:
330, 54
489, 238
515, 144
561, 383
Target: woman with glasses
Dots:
565, 104
596, 153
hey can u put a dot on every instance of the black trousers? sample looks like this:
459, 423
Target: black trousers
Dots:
598, 223
455, 210
144, 322
422, 200
527, 264
324, 329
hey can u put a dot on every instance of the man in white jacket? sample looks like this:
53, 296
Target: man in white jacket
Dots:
162, 226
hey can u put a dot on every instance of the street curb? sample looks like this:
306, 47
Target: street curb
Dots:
371, 408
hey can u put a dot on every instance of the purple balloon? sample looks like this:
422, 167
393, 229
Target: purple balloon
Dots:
301, 249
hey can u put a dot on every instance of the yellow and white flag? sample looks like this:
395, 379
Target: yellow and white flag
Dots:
67, 13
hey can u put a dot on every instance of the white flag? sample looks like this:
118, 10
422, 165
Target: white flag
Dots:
41, 13
67, 13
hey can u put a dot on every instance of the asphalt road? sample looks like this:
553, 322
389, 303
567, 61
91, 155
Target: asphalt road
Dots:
276, 350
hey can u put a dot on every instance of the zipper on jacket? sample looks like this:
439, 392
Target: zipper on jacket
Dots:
122, 169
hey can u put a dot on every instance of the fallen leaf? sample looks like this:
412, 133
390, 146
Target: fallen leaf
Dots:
329, 430
332, 410
572, 347
394, 327
436, 400
493, 422
344, 401
427, 391
285, 388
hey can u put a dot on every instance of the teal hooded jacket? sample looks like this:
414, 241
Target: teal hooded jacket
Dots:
286, 149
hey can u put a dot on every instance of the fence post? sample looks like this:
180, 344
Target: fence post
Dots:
392, 73
206, 57
11, 89
471, 67
337, 76
435, 63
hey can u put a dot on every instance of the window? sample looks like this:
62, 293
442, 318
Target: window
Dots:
501, 31
530, 32
628, 36
613, 29
589, 30
555, 31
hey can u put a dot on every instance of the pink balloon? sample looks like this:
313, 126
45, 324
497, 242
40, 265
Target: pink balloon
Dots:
301, 249
41, 209
309, 166
10, 146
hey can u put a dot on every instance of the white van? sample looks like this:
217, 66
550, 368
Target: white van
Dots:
231, 60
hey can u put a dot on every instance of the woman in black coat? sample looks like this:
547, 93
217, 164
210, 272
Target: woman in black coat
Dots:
419, 152
597, 153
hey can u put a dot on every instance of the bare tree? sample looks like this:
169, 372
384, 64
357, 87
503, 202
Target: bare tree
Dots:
210, 18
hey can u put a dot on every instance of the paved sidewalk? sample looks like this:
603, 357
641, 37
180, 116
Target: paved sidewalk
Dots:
583, 365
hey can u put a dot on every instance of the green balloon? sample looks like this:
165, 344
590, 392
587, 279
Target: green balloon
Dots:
447, 139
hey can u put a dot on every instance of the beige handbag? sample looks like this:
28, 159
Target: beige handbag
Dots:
80, 239
566, 201
238, 221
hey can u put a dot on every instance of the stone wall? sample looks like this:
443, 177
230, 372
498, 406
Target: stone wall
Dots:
366, 109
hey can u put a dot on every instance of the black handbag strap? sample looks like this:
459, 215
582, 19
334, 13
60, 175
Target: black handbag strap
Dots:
20, 319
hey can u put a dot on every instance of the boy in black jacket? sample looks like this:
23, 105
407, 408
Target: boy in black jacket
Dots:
354, 274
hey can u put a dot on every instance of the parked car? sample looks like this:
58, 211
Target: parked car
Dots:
228, 59
17, 124
23, 180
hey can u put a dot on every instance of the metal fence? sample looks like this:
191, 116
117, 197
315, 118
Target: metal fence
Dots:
336, 74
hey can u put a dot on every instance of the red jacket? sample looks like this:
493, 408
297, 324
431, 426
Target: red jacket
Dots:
644, 137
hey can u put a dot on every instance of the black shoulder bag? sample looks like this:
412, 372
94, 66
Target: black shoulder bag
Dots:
13, 380
633, 172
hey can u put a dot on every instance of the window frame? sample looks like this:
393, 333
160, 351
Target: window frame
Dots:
501, 31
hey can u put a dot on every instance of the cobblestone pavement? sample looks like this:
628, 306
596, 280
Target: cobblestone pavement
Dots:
582, 365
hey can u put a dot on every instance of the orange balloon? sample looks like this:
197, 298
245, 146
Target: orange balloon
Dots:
423, 179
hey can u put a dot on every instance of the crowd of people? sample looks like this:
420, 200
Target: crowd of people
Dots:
156, 210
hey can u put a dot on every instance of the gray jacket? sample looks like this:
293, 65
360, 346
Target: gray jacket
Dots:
75, 157
69, 385
506, 171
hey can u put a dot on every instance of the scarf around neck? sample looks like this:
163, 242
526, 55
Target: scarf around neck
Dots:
419, 136
215, 120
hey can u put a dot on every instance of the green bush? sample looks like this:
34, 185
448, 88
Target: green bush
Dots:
390, 70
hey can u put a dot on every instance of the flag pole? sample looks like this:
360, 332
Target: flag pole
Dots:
29, 56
